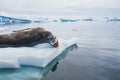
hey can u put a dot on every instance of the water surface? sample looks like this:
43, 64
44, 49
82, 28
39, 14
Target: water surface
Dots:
98, 54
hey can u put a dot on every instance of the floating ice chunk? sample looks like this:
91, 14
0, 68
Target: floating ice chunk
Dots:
40, 55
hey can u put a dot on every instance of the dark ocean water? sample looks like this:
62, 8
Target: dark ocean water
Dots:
97, 56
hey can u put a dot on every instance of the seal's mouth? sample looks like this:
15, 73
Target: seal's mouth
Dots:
55, 44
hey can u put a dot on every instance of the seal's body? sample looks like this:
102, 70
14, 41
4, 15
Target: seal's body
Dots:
28, 37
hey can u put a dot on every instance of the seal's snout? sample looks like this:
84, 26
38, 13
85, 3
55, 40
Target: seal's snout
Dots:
56, 44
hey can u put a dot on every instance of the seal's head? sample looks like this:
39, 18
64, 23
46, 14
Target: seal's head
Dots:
51, 38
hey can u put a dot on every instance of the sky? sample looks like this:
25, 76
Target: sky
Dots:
60, 6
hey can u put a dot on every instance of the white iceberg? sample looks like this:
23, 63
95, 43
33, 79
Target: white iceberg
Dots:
40, 55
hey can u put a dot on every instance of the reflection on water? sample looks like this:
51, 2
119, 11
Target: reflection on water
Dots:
54, 67
33, 73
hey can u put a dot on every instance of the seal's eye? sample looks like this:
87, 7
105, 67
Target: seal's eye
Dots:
49, 39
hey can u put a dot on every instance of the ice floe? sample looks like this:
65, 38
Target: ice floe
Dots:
40, 55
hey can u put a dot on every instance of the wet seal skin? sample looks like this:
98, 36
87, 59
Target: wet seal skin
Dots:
28, 37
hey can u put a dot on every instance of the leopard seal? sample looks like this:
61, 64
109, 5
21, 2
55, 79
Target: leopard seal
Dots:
28, 37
